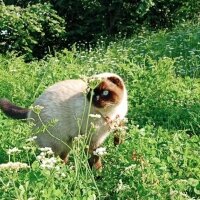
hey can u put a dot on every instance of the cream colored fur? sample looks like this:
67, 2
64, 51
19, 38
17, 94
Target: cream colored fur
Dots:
66, 102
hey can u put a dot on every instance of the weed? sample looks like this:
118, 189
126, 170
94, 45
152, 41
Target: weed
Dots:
159, 158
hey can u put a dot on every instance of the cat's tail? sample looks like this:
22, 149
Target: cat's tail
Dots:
12, 110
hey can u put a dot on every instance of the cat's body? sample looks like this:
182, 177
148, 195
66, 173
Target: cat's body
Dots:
68, 103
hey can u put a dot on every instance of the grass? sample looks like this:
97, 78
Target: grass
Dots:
159, 158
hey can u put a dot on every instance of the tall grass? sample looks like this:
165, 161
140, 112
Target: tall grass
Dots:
159, 158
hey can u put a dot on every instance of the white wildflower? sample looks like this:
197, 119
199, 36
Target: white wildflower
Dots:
95, 78
40, 157
57, 168
37, 109
121, 186
93, 197
79, 137
46, 150
46, 166
142, 131
72, 168
32, 139
91, 79
50, 152
63, 175
13, 150
94, 115
94, 81
131, 167
46, 162
4, 32
100, 151
52, 160
43, 154
13, 165
31, 198
115, 123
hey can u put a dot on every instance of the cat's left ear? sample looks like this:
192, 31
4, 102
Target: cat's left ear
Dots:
116, 81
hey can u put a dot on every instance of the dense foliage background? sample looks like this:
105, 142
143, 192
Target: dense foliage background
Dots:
38, 27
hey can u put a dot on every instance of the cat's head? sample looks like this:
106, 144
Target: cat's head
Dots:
110, 91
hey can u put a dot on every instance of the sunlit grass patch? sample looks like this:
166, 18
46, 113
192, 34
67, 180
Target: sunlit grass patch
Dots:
159, 158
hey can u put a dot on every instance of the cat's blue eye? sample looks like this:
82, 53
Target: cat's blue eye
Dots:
105, 93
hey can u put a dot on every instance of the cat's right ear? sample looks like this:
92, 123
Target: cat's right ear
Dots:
117, 81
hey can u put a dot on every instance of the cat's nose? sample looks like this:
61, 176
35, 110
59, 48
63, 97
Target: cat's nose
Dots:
97, 97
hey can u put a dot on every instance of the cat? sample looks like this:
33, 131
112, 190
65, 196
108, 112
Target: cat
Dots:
68, 101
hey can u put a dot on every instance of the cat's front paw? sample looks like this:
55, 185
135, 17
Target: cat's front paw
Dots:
95, 162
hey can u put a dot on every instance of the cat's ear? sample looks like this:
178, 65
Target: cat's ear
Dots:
117, 81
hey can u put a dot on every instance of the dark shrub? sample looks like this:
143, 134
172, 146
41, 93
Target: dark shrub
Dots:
86, 21
33, 31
